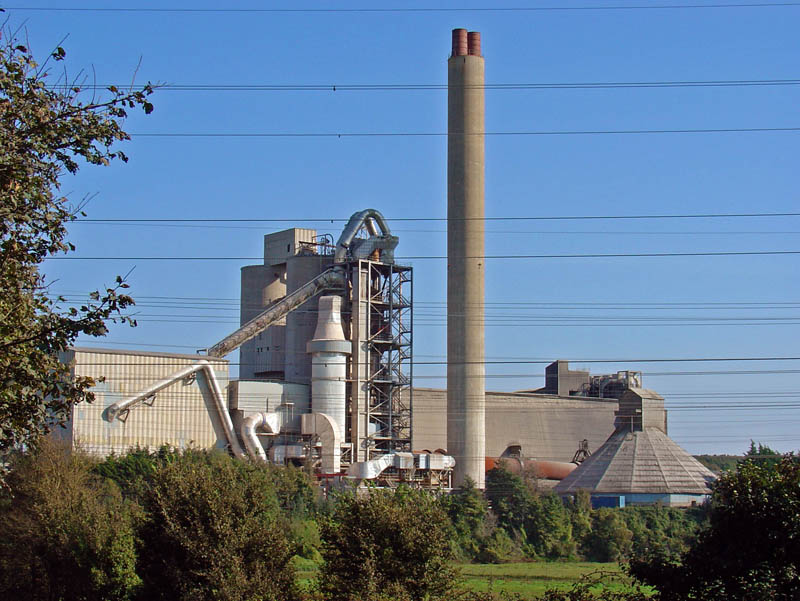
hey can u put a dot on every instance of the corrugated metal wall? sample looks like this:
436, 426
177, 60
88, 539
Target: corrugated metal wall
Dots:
180, 415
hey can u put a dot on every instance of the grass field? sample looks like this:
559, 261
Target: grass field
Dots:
530, 579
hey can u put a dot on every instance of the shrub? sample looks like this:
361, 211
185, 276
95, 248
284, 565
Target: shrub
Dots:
387, 545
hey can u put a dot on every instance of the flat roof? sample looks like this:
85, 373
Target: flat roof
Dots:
143, 353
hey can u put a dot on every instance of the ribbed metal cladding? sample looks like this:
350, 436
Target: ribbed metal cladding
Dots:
466, 432
179, 415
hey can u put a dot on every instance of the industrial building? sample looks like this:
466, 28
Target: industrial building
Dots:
325, 347
639, 464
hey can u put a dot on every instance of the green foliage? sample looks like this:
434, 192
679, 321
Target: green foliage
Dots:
595, 587
761, 454
610, 539
541, 522
213, 531
133, 470
293, 489
667, 530
549, 528
387, 545
509, 498
751, 547
46, 131
468, 512
65, 534
719, 463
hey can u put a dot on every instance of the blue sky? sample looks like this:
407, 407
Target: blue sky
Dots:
538, 309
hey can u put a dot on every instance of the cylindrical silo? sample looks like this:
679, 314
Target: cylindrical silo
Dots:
329, 351
466, 432
300, 323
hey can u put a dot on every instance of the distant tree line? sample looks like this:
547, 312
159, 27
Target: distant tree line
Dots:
189, 525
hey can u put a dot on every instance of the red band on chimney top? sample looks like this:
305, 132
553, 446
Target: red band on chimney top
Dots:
474, 43
460, 43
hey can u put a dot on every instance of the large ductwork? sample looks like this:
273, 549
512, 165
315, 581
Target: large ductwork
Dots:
268, 422
223, 418
466, 431
381, 240
326, 432
329, 351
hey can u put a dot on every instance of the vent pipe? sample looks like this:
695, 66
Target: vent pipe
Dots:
329, 350
466, 433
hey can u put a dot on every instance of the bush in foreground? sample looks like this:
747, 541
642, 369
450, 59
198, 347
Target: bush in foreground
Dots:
387, 545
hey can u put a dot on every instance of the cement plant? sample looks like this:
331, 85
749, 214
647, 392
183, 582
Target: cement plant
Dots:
326, 368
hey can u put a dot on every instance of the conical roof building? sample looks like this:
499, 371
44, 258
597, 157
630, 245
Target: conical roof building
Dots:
639, 463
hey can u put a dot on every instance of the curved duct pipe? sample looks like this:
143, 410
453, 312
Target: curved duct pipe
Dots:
327, 431
369, 218
250, 426
204, 367
548, 470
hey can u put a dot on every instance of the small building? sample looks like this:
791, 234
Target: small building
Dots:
182, 415
639, 464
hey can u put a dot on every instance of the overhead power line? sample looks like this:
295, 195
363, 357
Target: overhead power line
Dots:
387, 134
384, 87
398, 9
445, 219
444, 257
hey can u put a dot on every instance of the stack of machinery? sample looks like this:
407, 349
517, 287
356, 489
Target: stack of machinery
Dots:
325, 369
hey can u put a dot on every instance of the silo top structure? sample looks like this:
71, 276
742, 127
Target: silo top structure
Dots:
465, 252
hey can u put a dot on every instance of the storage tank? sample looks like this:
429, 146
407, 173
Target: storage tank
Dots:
329, 351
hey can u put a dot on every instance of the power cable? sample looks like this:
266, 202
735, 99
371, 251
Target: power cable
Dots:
386, 134
514, 9
444, 257
445, 219
599, 85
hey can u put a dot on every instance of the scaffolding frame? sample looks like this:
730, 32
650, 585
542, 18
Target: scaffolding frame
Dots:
381, 320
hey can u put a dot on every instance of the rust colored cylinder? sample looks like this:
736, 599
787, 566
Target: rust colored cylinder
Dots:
548, 470
474, 43
460, 42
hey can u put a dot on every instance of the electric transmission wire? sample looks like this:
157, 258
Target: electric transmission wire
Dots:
597, 85
404, 9
401, 134
445, 219
444, 257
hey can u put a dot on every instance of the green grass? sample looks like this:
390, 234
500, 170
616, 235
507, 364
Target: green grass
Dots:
529, 579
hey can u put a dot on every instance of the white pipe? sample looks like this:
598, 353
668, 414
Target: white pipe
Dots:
250, 425
326, 429
204, 367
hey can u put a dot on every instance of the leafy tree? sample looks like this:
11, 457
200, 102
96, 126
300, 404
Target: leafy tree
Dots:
387, 545
549, 529
610, 539
509, 498
751, 549
761, 454
669, 530
468, 512
65, 533
214, 531
47, 129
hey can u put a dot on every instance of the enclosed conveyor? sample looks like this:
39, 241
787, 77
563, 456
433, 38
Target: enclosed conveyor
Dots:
331, 279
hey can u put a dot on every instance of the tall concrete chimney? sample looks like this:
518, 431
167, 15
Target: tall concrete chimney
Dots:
466, 430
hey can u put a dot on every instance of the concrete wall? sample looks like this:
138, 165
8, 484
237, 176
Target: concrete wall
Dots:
301, 323
545, 426
180, 415
263, 356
